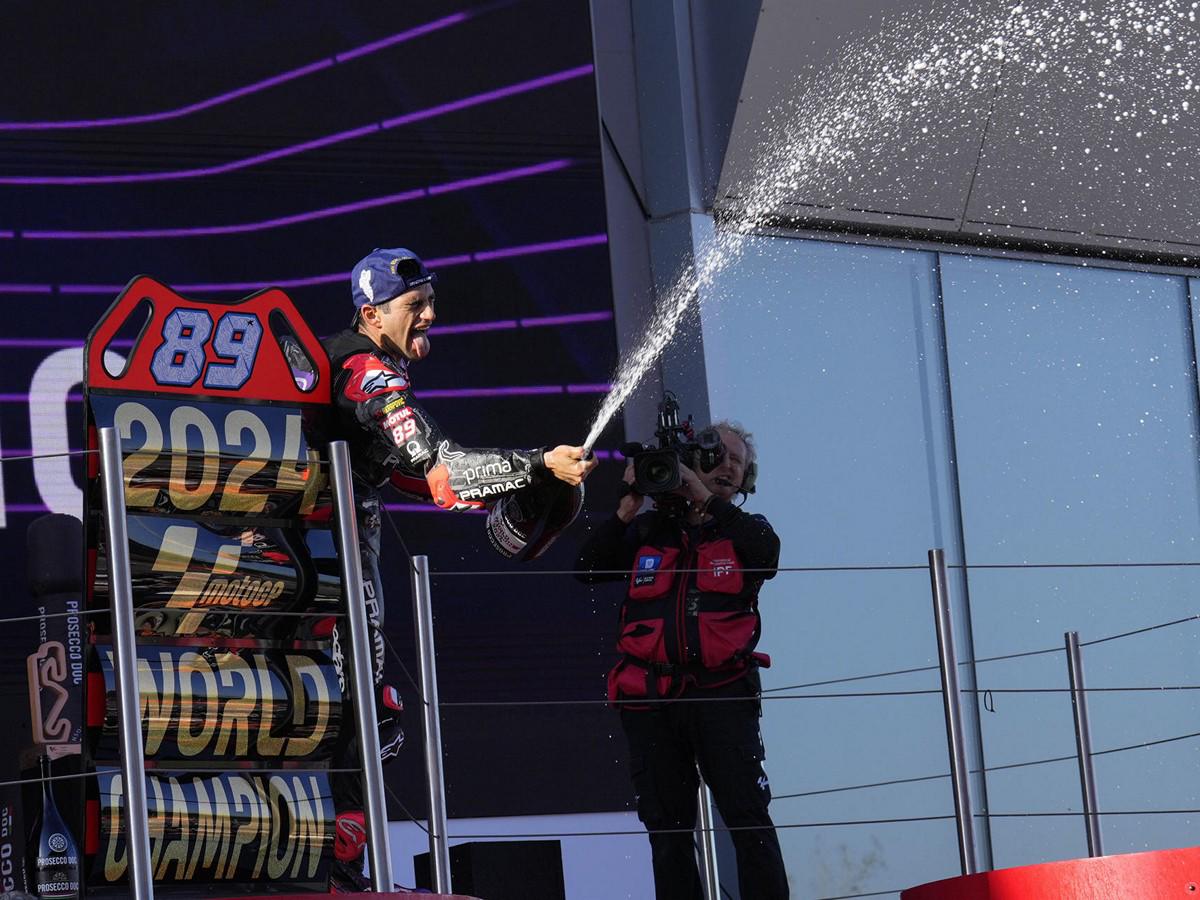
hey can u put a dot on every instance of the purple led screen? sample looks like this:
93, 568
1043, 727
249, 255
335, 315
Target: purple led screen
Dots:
225, 148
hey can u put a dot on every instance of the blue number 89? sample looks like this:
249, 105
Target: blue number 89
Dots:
180, 358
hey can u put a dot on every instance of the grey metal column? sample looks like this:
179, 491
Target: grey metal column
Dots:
708, 844
361, 669
1083, 744
439, 846
120, 585
948, 660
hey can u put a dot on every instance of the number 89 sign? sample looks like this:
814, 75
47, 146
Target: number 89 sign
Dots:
180, 358
256, 348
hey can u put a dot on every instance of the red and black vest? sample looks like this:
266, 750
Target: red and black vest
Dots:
690, 616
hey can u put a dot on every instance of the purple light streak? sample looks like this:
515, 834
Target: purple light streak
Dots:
443, 262
26, 289
569, 319
249, 161
588, 388
312, 215
517, 391
113, 289
506, 252
505, 324
35, 343
464, 184
502, 324
253, 88
487, 97
24, 398
312, 280
403, 36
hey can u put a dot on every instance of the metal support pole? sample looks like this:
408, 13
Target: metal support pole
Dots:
708, 844
439, 846
362, 682
120, 586
948, 659
1083, 744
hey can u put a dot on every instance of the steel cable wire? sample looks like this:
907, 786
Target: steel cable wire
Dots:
900, 820
4, 459
986, 659
1019, 765
839, 696
403, 808
396, 656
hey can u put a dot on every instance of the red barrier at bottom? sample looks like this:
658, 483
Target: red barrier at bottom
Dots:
1156, 875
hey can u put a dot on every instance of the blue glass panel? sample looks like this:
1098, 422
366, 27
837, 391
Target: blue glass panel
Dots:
831, 355
1074, 408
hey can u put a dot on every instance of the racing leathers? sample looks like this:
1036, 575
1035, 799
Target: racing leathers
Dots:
393, 440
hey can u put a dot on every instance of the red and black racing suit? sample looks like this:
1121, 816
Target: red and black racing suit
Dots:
393, 440
687, 683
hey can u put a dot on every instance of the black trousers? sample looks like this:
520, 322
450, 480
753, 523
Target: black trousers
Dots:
347, 787
722, 737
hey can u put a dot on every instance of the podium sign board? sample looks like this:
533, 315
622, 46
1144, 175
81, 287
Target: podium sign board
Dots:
219, 409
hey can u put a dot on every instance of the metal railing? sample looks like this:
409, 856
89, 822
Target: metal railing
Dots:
950, 664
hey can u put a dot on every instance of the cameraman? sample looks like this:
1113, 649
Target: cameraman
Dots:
687, 683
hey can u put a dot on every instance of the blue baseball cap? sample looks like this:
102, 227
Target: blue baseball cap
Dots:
383, 274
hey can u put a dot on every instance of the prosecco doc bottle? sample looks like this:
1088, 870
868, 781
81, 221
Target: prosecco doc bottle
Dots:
56, 874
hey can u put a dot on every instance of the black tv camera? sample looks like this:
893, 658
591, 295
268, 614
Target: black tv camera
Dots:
656, 469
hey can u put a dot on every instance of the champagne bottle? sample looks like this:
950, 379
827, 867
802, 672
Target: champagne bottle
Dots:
56, 874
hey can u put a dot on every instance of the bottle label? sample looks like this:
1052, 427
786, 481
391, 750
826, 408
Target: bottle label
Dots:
69, 860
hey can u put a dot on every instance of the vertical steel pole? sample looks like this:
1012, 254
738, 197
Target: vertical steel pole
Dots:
948, 659
1083, 744
708, 844
361, 669
120, 586
439, 845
